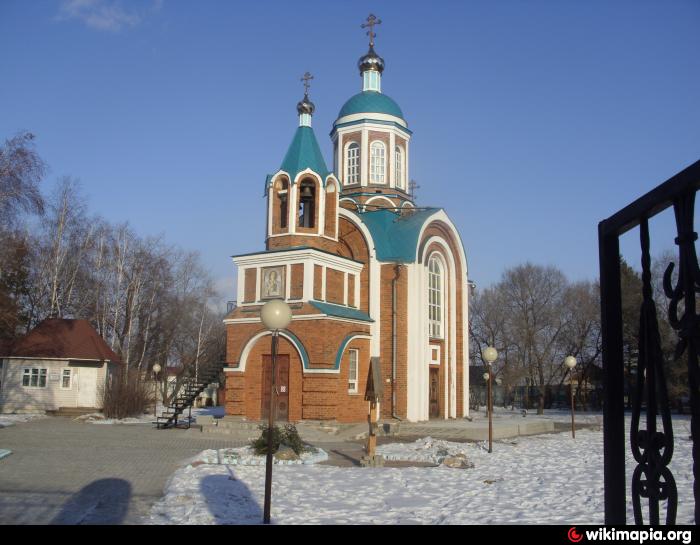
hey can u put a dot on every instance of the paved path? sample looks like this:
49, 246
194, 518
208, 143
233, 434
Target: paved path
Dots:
65, 472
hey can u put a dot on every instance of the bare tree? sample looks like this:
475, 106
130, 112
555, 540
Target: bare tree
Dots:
21, 171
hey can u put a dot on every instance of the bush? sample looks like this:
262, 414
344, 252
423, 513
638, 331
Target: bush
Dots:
289, 437
126, 395
260, 444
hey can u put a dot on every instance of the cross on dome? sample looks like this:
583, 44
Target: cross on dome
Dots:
306, 78
371, 22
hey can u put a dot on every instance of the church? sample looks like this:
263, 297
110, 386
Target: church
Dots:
369, 276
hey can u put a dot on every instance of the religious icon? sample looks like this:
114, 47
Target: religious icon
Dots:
273, 282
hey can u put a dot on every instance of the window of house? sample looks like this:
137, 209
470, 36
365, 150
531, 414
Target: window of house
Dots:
377, 163
353, 372
353, 164
66, 379
398, 168
34, 377
435, 283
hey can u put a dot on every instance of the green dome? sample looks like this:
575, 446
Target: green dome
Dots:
370, 102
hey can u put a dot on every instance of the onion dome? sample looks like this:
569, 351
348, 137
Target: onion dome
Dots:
305, 106
371, 61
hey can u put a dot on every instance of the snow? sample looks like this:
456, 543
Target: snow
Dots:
548, 478
246, 456
7, 420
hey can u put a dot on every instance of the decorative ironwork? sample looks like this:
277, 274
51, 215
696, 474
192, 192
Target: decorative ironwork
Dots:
652, 449
687, 325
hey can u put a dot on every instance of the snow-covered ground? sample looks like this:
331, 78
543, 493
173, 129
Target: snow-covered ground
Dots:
7, 420
551, 479
245, 456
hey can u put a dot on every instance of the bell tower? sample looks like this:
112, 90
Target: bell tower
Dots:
303, 194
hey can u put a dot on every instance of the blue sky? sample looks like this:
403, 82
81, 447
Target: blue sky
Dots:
532, 120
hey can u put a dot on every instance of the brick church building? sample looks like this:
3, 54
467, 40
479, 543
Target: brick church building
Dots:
366, 272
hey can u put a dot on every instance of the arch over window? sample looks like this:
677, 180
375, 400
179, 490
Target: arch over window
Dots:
436, 282
307, 204
377, 163
352, 164
398, 168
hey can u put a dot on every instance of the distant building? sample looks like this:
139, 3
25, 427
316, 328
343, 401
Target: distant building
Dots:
366, 272
59, 364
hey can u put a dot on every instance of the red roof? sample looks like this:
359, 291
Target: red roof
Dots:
65, 339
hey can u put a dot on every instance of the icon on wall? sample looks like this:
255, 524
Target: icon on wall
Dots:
273, 283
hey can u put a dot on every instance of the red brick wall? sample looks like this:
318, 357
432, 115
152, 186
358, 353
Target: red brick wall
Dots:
318, 279
331, 214
297, 281
351, 290
335, 283
249, 288
387, 275
311, 396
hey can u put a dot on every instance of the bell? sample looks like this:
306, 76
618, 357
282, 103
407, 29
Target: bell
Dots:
306, 192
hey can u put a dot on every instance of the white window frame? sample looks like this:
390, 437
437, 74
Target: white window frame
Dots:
352, 171
29, 371
70, 378
435, 351
377, 163
398, 167
436, 290
353, 381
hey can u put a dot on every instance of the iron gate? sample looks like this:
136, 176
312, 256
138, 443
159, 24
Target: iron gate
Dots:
652, 448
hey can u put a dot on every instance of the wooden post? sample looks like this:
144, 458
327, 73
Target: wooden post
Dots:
372, 438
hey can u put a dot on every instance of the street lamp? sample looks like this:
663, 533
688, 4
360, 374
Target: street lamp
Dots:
486, 380
274, 315
570, 362
490, 354
156, 370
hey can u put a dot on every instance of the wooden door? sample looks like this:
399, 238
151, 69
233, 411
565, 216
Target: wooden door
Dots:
281, 385
434, 386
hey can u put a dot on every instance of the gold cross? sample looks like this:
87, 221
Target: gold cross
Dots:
371, 21
306, 78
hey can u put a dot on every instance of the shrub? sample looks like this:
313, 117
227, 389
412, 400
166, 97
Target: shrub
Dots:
259, 445
289, 437
126, 395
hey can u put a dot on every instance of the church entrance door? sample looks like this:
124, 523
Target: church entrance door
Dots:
281, 383
434, 392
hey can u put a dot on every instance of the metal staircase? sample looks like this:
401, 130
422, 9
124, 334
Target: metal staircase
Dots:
189, 391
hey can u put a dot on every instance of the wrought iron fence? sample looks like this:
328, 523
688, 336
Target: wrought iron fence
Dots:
651, 446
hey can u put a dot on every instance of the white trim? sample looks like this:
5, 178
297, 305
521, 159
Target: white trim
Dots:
380, 197
369, 116
299, 318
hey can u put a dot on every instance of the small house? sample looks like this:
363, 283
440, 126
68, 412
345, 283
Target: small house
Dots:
59, 364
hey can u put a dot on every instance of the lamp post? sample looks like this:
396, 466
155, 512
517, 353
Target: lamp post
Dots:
274, 315
156, 370
490, 354
570, 362
486, 380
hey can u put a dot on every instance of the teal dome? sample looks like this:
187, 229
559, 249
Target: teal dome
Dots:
370, 102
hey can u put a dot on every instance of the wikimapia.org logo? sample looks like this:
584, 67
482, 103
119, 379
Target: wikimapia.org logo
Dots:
638, 536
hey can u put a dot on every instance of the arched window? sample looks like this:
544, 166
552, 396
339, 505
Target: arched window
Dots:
398, 168
352, 160
283, 195
377, 163
307, 204
435, 284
